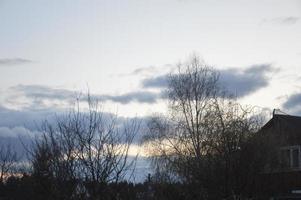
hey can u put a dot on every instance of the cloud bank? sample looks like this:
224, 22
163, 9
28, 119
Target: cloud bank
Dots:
16, 132
39, 93
237, 81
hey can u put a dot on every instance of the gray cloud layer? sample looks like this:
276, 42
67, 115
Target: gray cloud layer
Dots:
27, 118
19, 128
14, 61
38, 93
293, 103
24, 125
239, 82
155, 82
15, 132
245, 82
140, 97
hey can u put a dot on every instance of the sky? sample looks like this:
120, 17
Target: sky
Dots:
121, 50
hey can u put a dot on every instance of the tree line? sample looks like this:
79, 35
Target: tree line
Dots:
206, 146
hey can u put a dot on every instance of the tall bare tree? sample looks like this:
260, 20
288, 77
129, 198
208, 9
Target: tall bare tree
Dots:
201, 138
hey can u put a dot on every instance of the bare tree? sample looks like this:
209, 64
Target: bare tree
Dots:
192, 93
88, 148
201, 138
54, 163
8, 161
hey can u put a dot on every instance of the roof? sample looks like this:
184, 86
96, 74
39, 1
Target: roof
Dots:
288, 126
292, 121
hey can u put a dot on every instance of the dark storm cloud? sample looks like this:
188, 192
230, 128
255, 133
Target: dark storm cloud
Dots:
13, 61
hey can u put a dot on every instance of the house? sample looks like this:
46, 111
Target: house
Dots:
282, 173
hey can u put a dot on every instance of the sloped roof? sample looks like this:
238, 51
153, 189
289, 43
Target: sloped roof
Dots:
288, 126
292, 121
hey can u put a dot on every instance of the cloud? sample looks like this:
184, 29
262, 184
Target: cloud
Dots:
14, 61
140, 97
17, 132
287, 20
144, 70
283, 20
22, 126
247, 81
44, 92
26, 118
293, 103
155, 82
150, 70
20, 144
38, 95
237, 81
19, 128
22, 122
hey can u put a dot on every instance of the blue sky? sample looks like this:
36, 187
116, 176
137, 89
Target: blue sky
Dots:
121, 50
